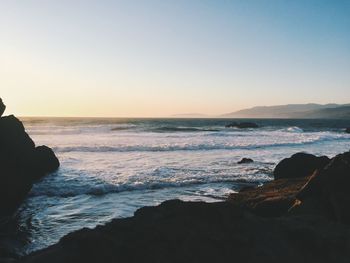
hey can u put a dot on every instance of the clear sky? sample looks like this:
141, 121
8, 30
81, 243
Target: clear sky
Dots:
158, 58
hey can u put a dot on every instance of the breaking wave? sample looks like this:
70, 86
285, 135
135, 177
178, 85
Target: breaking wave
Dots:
194, 147
103, 189
295, 129
183, 129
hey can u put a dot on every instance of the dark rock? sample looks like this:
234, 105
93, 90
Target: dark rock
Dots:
242, 125
232, 125
20, 163
177, 231
347, 130
327, 192
45, 160
274, 198
246, 188
2, 107
7, 256
299, 165
245, 160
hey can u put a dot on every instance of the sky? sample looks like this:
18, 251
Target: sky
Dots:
159, 58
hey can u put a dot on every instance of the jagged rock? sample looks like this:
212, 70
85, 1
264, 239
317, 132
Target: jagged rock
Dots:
327, 191
274, 198
299, 165
2, 107
45, 160
242, 125
245, 160
347, 130
176, 231
21, 163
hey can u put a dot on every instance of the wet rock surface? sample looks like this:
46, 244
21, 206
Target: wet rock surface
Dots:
272, 199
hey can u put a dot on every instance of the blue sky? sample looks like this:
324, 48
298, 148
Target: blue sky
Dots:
158, 58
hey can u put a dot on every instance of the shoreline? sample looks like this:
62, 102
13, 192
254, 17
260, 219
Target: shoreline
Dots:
304, 218
304, 194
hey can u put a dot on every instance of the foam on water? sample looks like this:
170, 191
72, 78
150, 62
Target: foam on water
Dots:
203, 147
295, 129
111, 167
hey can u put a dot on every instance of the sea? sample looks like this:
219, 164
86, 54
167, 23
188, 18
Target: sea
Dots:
110, 167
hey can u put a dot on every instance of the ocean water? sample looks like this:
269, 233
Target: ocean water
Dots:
111, 167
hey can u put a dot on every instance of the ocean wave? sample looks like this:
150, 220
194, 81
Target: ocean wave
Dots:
120, 128
183, 129
294, 129
195, 147
98, 190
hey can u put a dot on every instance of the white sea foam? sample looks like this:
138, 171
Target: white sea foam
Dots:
159, 144
295, 129
111, 167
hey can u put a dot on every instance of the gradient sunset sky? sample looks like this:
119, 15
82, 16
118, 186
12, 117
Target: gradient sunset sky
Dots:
158, 58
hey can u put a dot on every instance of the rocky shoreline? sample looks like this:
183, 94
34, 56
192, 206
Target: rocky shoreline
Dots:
302, 215
290, 219
22, 163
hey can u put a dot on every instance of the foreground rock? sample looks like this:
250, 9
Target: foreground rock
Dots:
299, 165
183, 232
324, 193
242, 125
300, 219
327, 191
347, 130
272, 199
21, 163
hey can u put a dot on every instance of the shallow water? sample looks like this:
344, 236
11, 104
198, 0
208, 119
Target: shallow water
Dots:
111, 167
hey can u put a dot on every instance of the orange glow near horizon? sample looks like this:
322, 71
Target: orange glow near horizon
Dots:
121, 59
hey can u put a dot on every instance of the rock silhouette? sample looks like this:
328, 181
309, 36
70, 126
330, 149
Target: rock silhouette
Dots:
2, 107
327, 191
299, 165
21, 163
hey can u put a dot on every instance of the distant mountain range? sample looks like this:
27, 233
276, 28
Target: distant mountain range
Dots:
303, 111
